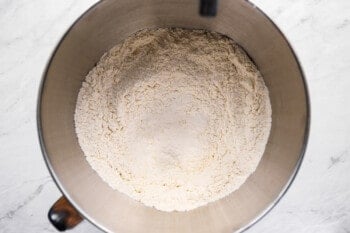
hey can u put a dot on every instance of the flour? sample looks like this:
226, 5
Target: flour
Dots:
174, 118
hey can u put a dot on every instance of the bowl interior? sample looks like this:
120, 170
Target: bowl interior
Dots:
111, 21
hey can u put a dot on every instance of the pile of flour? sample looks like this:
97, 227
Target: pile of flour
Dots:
174, 118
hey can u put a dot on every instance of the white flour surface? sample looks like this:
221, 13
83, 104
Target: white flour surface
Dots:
174, 118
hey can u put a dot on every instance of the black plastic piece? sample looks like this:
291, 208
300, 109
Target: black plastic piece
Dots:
208, 8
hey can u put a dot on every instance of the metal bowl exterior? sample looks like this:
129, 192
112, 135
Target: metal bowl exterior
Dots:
109, 22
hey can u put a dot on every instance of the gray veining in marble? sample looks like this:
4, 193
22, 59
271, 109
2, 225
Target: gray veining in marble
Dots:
319, 31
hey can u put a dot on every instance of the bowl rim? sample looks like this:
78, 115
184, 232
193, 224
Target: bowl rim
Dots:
252, 222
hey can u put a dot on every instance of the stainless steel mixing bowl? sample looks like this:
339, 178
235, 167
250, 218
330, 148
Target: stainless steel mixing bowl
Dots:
109, 22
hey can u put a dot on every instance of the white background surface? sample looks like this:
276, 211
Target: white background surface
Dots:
319, 31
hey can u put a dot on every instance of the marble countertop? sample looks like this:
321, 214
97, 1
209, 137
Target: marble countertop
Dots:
319, 31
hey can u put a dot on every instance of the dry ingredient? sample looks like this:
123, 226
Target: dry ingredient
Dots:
174, 118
